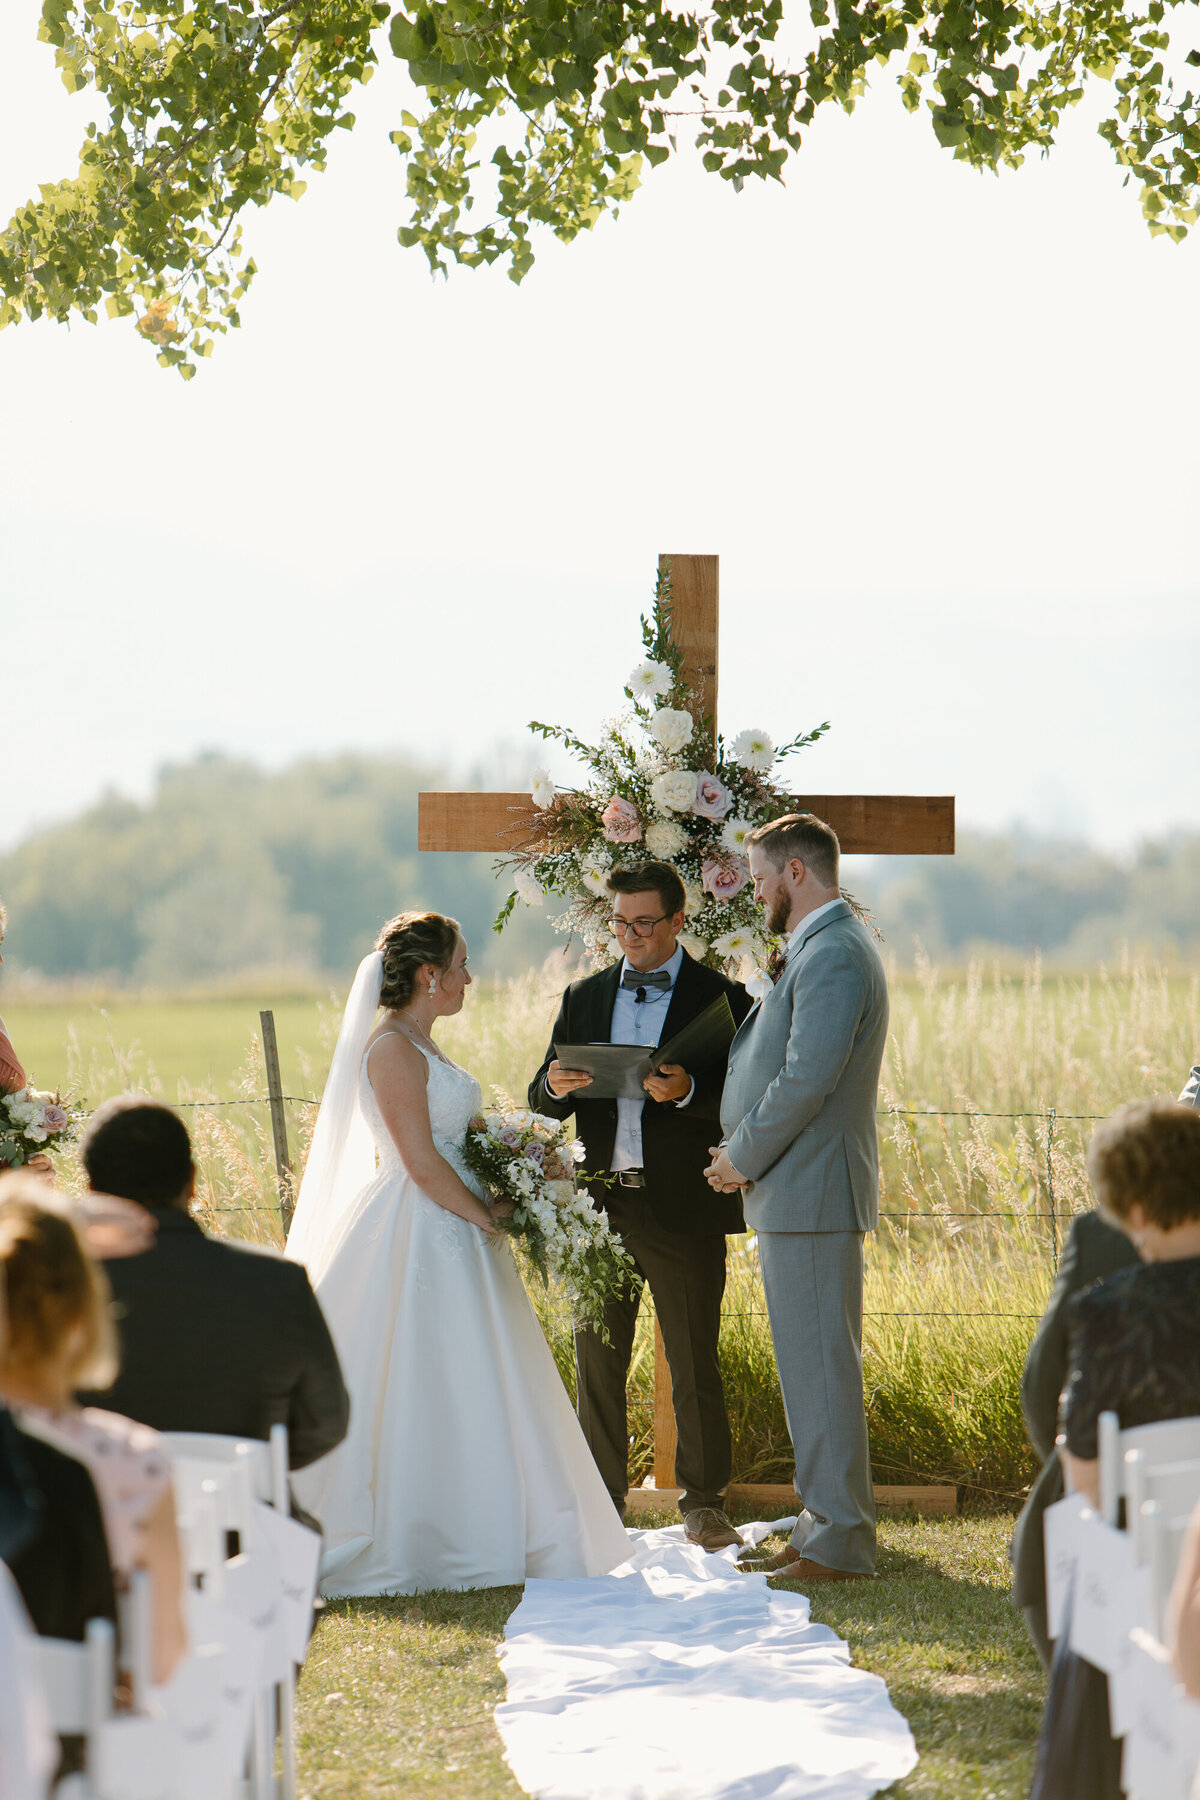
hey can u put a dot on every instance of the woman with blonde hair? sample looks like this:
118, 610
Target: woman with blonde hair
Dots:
60, 1338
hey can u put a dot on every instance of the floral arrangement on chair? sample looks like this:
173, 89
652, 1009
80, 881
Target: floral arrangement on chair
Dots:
33, 1122
656, 791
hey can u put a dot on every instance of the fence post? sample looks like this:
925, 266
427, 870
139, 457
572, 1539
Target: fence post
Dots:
1051, 1118
664, 1415
283, 1161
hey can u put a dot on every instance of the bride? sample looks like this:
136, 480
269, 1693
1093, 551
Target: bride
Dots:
464, 1465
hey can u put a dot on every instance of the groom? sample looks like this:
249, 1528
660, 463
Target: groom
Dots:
673, 1226
798, 1116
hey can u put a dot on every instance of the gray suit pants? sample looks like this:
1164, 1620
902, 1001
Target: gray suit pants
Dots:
814, 1282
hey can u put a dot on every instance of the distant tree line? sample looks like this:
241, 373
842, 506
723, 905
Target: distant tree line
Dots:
228, 869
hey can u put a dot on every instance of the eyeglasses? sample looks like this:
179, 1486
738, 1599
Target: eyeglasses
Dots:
639, 927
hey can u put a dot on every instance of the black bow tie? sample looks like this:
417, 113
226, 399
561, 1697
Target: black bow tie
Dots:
657, 978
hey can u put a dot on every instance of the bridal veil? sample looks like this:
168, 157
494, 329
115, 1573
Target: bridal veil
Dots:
341, 1160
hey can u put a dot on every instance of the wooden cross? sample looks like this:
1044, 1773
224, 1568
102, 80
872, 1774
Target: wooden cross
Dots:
866, 824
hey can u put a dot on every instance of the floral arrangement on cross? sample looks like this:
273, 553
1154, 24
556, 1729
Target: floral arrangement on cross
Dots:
656, 790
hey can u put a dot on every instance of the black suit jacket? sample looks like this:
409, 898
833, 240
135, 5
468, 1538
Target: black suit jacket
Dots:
60, 1563
224, 1337
675, 1140
1094, 1250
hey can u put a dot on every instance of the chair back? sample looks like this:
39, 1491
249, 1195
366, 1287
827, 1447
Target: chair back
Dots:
79, 1679
1175, 1486
1166, 1441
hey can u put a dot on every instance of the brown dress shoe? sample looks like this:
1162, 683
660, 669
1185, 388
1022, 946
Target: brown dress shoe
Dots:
802, 1572
770, 1565
709, 1527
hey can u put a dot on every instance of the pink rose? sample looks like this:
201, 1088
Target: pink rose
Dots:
713, 799
725, 877
54, 1118
621, 821
509, 1136
536, 1153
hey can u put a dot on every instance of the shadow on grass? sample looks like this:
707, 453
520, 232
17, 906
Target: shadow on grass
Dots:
480, 1612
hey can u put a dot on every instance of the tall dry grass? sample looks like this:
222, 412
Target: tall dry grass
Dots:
989, 1088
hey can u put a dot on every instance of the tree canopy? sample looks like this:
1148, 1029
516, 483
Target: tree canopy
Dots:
535, 112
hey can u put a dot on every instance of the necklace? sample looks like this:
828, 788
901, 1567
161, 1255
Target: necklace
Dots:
417, 1033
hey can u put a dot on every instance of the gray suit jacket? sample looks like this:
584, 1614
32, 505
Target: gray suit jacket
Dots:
798, 1111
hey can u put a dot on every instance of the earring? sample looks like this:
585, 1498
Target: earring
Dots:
433, 987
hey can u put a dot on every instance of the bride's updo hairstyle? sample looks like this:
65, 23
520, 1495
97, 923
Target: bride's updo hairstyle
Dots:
409, 942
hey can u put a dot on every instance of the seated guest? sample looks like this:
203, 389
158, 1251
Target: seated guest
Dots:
1134, 1350
59, 1336
215, 1336
1094, 1250
1183, 1613
52, 1535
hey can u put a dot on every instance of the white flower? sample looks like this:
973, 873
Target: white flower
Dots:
542, 790
734, 833
741, 941
651, 680
593, 880
528, 888
694, 898
674, 790
666, 839
754, 750
575, 1150
759, 984
672, 729
695, 946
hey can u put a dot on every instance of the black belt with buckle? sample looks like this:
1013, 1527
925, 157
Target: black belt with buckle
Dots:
631, 1177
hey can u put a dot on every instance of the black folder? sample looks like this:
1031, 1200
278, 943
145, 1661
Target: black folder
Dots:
618, 1070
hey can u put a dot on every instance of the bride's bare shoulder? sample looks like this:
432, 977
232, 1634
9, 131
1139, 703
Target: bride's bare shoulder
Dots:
394, 1051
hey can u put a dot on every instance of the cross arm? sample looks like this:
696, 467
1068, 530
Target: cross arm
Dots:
866, 824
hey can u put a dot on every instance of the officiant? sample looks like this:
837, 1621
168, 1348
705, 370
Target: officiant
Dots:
672, 1223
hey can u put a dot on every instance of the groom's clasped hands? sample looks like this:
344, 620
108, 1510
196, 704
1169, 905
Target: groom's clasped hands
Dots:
721, 1174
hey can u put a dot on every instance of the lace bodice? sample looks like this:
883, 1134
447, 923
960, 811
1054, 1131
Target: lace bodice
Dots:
454, 1099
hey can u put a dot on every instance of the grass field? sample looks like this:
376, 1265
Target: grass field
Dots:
397, 1695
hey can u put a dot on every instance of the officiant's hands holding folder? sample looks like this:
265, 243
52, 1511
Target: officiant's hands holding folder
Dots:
669, 1082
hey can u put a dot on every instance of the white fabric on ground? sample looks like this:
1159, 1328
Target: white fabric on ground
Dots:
677, 1678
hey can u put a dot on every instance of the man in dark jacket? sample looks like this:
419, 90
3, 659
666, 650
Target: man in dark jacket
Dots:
216, 1336
1094, 1251
672, 1223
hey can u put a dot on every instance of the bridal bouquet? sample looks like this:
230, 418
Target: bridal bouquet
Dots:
533, 1161
656, 790
32, 1123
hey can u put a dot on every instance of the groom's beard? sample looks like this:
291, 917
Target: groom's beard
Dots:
777, 915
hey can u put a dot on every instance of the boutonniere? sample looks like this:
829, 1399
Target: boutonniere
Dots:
776, 964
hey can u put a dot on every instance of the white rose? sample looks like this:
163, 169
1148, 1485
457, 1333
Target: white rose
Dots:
695, 946
674, 789
694, 898
528, 888
754, 750
542, 790
650, 680
672, 729
665, 839
734, 833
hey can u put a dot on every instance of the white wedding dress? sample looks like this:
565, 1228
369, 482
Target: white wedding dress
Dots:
464, 1466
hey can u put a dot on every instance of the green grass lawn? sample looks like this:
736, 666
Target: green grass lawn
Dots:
397, 1696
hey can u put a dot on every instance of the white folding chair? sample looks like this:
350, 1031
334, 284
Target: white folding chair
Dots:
220, 1479
1166, 1441
79, 1681
1175, 1486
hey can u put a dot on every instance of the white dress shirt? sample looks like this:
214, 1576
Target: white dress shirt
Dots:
639, 1022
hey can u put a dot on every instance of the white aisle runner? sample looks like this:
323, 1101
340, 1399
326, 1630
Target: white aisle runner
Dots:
677, 1678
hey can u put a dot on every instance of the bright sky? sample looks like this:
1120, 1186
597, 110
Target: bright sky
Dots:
940, 428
